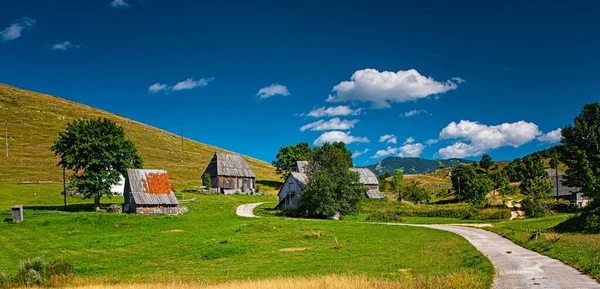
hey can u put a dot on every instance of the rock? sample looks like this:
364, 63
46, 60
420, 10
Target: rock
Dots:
114, 209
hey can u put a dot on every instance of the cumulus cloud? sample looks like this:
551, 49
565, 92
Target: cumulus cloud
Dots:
157, 87
189, 83
388, 138
339, 136
381, 88
271, 90
409, 140
332, 124
14, 31
431, 142
411, 150
119, 4
413, 112
551, 137
384, 153
64, 46
342, 110
482, 138
359, 153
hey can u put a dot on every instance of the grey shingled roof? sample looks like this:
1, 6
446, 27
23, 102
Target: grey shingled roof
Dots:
232, 165
367, 177
154, 199
301, 178
150, 187
301, 166
562, 189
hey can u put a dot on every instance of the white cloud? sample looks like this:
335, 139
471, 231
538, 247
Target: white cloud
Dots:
458, 150
483, 137
388, 138
273, 89
411, 150
409, 140
551, 137
413, 112
157, 87
339, 136
381, 88
332, 124
14, 31
458, 80
119, 4
359, 153
431, 142
191, 83
342, 110
385, 152
64, 46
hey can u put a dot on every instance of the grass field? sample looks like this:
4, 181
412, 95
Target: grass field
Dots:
581, 251
211, 244
34, 121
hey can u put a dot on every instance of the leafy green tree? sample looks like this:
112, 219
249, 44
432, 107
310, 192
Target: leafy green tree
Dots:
461, 176
383, 182
581, 151
535, 181
415, 193
288, 156
331, 186
206, 181
97, 152
476, 189
486, 162
398, 183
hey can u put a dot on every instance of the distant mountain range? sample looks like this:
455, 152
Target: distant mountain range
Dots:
413, 165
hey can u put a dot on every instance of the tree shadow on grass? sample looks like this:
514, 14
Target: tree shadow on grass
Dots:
70, 208
268, 183
571, 225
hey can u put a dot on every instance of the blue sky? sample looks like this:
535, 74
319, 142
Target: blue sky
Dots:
434, 79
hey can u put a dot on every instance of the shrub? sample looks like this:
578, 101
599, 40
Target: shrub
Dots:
385, 216
36, 271
492, 213
260, 188
60, 267
533, 209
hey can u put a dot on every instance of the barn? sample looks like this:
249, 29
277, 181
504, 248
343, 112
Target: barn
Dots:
290, 193
149, 192
230, 173
369, 180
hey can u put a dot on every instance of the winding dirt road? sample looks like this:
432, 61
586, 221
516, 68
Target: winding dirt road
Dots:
516, 267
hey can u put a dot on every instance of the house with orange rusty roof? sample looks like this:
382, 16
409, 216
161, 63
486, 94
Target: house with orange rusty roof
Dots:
149, 192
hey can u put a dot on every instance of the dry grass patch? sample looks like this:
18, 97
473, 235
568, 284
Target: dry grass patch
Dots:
293, 249
173, 231
457, 280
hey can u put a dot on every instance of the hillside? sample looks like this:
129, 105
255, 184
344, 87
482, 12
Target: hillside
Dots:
34, 121
413, 165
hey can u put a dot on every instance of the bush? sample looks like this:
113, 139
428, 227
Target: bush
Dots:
36, 271
385, 216
260, 188
492, 213
533, 209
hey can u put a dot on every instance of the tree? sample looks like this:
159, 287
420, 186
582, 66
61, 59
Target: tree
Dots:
331, 186
398, 183
476, 189
415, 193
383, 182
98, 153
513, 170
461, 176
288, 156
535, 181
486, 162
206, 181
581, 151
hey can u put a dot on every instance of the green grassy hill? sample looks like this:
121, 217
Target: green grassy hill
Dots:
34, 121
413, 165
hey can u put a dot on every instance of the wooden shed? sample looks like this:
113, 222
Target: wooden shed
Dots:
369, 180
149, 192
230, 173
290, 194
574, 195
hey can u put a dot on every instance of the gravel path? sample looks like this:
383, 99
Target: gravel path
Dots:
516, 267
247, 210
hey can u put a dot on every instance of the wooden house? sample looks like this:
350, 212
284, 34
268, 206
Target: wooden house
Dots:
290, 194
149, 192
369, 180
230, 173
574, 195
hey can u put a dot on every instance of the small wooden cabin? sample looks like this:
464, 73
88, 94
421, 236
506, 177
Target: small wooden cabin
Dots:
290, 194
230, 173
574, 195
149, 192
369, 180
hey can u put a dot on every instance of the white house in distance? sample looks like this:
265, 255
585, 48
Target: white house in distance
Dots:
290, 194
117, 190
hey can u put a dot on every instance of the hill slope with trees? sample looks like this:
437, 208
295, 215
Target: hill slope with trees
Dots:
413, 165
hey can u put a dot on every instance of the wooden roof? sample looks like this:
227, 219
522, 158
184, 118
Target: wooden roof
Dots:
367, 177
301, 166
300, 177
150, 187
231, 165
